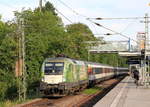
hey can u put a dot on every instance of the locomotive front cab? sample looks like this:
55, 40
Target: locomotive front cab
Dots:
53, 72
62, 76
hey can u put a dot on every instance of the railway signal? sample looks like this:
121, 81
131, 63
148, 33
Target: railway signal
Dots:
143, 54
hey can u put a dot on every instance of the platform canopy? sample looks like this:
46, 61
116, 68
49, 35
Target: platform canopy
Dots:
110, 47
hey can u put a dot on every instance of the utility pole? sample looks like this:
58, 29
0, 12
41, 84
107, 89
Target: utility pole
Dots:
21, 61
40, 5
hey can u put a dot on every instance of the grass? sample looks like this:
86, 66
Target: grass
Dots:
92, 90
8, 103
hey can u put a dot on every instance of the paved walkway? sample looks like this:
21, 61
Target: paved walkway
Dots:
126, 94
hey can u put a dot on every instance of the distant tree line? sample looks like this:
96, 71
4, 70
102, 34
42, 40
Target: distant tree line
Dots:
45, 36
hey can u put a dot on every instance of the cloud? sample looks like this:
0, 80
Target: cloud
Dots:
7, 9
6, 12
92, 8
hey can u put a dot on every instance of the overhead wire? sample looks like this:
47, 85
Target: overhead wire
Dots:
120, 33
92, 24
100, 18
76, 12
64, 16
127, 26
72, 9
135, 18
112, 31
87, 18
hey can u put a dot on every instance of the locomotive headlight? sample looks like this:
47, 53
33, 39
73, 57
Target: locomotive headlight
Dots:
43, 79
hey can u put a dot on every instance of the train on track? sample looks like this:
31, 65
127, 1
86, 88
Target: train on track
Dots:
63, 76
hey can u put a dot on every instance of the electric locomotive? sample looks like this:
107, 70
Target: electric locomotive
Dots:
63, 76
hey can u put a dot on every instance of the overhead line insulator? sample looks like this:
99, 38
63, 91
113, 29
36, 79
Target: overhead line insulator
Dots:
99, 18
98, 24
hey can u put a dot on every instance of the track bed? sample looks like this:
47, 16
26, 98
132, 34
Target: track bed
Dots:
80, 100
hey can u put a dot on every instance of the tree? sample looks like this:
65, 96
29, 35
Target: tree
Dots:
49, 7
45, 36
7, 59
81, 30
109, 59
79, 34
44, 33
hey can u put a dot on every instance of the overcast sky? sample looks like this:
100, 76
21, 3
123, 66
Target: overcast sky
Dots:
91, 9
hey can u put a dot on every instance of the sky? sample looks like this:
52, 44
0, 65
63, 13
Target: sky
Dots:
91, 9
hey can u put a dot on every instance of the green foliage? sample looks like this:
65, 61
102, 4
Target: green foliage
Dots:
109, 59
7, 103
81, 30
3, 90
45, 36
92, 90
78, 34
7, 53
49, 7
7, 60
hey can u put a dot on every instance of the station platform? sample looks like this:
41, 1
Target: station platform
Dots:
126, 94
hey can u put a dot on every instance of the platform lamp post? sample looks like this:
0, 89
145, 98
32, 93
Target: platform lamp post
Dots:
145, 71
146, 49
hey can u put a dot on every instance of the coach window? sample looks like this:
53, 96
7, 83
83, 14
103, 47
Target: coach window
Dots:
97, 70
100, 70
105, 70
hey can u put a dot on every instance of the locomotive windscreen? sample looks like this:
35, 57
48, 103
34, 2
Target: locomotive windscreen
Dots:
54, 68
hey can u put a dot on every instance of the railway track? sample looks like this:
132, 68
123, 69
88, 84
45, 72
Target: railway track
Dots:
80, 100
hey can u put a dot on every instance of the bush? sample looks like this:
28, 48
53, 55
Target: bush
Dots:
3, 90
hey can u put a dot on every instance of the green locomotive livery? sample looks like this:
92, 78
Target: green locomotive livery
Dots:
63, 76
